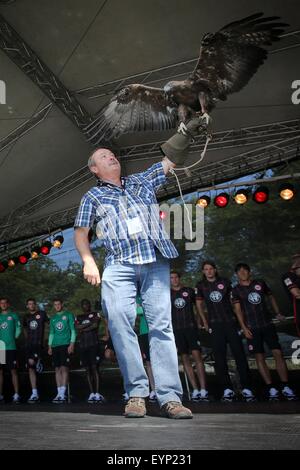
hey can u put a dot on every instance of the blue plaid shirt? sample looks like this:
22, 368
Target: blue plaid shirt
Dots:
110, 207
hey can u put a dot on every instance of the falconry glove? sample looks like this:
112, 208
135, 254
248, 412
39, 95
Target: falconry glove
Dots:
175, 148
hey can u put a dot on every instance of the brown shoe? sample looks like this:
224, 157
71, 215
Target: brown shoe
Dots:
175, 410
135, 408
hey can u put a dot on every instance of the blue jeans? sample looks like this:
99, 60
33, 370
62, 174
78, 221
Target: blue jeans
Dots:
120, 283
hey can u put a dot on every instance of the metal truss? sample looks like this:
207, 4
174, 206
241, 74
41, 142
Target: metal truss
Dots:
245, 163
32, 66
233, 138
281, 149
25, 127
171, 72
254, 135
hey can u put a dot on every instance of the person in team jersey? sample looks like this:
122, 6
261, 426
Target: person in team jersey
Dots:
291, 282
87, 326
249, 300
34, 327
214, 292
10, 330
61, 343
186, 335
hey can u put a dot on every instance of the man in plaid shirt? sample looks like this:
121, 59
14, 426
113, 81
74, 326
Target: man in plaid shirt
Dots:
137, 260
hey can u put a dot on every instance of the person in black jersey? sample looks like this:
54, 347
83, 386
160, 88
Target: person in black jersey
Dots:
186, 335
87, 326
291, 282
34, 327
222, 324
249, 301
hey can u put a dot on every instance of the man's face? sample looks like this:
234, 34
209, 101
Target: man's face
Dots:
31, 305
106, 165
209, 271
86, 306
296, 266
4, 305
243, 274
175, 280
58, 306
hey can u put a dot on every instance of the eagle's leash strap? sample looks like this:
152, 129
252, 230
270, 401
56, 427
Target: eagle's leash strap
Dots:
186, 170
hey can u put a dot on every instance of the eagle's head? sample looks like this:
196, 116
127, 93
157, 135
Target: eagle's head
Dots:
173, 86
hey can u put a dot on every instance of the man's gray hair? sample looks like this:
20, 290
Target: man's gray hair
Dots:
91, 161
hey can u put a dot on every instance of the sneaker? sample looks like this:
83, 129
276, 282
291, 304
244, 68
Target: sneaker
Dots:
288, 393
248, 395
176, 410
33, 399
135, 408
91, 398
59, 399
16, 399
228, 395
55, 399
203, 395
195, 395
273, 394
152, 397
125, 397
98, 398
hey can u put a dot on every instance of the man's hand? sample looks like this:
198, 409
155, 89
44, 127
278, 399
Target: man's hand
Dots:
91, 273
71, 348
50, 351
247, 333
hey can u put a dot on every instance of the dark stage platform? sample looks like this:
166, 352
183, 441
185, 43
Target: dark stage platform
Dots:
215, 426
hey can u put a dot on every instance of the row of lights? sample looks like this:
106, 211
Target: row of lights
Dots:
260, 196
34, 253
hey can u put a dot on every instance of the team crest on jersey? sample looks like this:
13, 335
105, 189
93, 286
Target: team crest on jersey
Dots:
64, 317
257, 287
91, 315
215, 296
220, 286
59, 326
86, 322
254, 298
4, 325
9, 318
288, 282
38, 317
33, 325
179, 303
250, 347
185, 294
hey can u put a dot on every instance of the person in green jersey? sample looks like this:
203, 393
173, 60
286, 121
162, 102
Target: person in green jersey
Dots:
61, 343
10, 329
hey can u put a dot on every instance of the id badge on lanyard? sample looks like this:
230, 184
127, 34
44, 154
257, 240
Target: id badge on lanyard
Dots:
134, 226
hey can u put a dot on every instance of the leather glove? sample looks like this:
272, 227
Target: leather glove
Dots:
175, 148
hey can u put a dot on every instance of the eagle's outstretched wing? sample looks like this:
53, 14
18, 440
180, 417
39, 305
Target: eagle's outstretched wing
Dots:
229, 58
134, 108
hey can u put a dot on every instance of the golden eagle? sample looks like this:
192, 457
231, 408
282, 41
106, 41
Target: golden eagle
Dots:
227, 61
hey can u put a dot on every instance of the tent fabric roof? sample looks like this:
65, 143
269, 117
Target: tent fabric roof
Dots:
92, 48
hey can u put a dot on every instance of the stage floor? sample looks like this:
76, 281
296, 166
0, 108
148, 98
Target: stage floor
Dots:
215, 426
